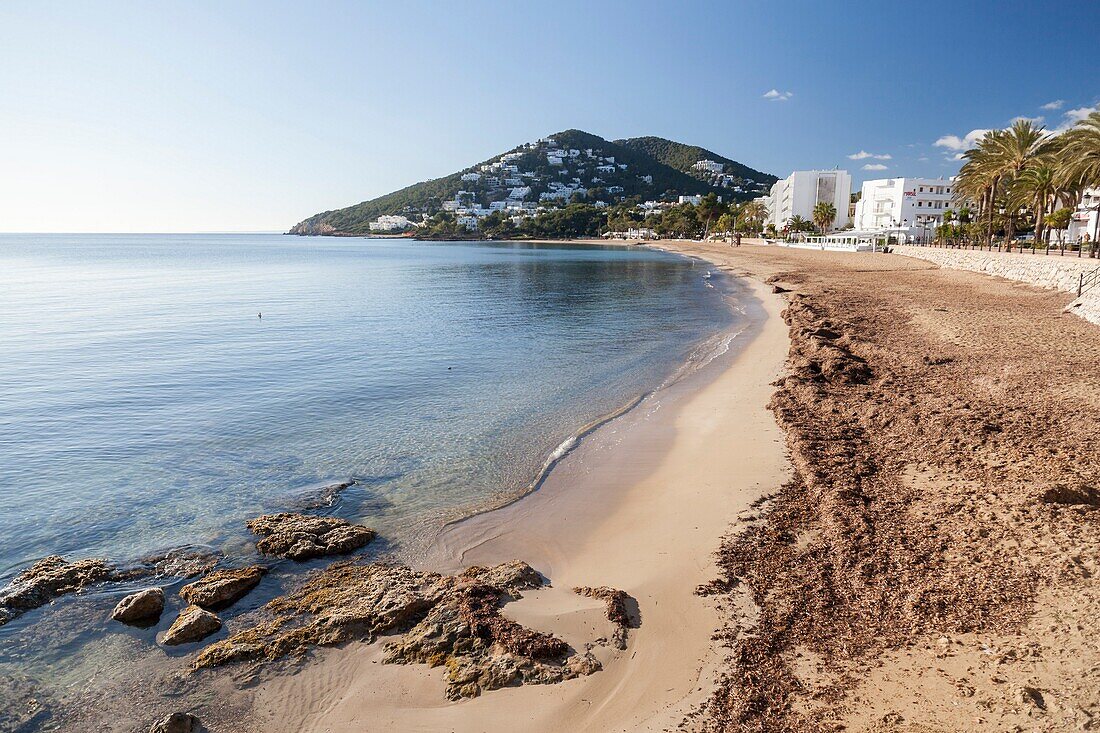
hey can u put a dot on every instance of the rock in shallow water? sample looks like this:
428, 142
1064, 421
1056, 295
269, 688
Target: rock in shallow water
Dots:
222, 588
146, 605
304, 537
193, 624
177, 723
47, 579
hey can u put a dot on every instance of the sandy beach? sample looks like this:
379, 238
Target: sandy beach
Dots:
642, 512
876, 512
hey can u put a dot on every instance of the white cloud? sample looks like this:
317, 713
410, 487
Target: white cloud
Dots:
954, 142
874, 167
1073, 116
863, 155
1022, 118
774, 95
1056, 104
923, 159
1076, 115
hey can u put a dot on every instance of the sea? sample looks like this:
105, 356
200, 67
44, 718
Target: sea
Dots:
158, 390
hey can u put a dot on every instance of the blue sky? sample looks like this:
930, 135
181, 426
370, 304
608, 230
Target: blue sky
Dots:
245, 116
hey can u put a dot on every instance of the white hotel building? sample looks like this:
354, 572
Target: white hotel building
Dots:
1086, 217
912, 207
798, 193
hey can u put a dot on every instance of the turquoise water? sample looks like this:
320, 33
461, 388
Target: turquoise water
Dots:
145, 404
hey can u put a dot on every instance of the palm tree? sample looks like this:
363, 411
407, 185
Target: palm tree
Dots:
978, 179
798, 224
992, 167
824, 215
1080, 153
1035, 186
754, 212
1080, 159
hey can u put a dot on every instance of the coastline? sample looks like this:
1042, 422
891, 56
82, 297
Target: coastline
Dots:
640, 508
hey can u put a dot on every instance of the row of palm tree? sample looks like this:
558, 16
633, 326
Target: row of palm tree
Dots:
1026, 172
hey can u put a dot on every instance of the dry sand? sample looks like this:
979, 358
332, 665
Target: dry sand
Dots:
641, 510
932, 564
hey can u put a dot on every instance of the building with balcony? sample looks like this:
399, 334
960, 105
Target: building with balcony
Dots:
910, 207
801, 191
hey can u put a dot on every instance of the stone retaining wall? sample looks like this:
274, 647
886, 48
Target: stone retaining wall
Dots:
1054, 272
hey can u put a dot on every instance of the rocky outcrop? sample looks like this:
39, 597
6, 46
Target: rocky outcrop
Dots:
222, 588
450, 621
617, 612
47, 579
193, 624
304, 537
177, 723
181, 562
143, 606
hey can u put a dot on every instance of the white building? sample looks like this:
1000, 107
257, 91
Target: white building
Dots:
693, 200
1086, 217
912, 207
710, 166
386, 223
800, 192
471, 176
470, 222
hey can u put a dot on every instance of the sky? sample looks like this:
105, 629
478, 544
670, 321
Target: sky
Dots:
250, 116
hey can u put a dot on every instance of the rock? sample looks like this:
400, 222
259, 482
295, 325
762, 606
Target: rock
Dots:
319, 497
222, 588
1033, 696
617, 612
511, 575
24, 705
177, 723
193, 624
450, 621
47, 579
146, 605
181, 562
304, 537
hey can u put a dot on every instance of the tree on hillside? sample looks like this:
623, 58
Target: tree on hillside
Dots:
824, 215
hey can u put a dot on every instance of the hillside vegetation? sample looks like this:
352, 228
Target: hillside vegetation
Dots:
570, 167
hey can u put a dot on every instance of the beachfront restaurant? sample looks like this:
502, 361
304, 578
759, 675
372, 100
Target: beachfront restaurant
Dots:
846, 241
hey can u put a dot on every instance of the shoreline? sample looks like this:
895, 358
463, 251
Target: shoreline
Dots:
612, 513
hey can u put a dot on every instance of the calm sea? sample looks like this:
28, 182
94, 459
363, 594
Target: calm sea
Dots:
145, 404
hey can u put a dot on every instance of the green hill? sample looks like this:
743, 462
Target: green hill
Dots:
569, 166
685, 157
